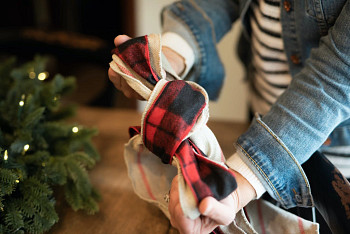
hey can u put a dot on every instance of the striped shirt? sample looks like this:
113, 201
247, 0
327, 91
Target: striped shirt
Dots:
270, 68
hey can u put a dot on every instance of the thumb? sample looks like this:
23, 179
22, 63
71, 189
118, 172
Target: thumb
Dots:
223, 212
121, 39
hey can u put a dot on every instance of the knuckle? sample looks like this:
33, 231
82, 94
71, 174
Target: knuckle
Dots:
226, 222
116, 84
135, 95
172, 222
111, 74
127, 93
174, 182
115, 79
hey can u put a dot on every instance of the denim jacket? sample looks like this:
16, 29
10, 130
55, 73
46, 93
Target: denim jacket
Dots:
316, 35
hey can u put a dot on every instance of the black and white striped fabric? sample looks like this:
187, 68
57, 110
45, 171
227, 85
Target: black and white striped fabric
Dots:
271, 71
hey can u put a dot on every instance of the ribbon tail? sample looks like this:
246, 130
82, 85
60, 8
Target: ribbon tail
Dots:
204, 176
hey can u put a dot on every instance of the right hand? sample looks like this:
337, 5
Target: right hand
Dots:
213, 212
175, 60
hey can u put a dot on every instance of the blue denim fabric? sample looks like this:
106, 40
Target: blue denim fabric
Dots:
207, 21
317, 33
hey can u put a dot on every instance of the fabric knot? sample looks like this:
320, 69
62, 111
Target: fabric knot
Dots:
171, 117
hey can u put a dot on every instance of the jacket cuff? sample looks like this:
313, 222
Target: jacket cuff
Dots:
274, 164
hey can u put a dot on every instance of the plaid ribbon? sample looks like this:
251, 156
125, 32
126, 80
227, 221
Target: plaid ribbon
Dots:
168, 122
140, 61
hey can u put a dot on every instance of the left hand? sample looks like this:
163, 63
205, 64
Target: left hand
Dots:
118, 81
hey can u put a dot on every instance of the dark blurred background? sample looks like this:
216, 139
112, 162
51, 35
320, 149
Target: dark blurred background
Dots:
76, 35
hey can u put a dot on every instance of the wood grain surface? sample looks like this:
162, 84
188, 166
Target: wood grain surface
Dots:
122, 211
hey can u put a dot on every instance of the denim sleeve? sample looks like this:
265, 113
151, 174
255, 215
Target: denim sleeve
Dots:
317, 100
202, 23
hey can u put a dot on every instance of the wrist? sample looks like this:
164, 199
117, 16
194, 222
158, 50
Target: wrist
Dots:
244, 193
176, 61
236, 163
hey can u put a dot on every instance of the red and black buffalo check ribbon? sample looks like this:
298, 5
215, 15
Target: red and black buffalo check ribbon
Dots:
168, 122
165, 127
135, 53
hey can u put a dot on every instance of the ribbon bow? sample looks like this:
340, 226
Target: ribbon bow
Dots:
173, 124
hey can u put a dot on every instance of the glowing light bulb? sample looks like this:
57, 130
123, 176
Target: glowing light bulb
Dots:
6, 156
17, 181
43, 75
26, 147
32, 75
21, 103
75, 129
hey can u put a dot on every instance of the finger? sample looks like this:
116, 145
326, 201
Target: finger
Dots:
135, 95
114, 78
222, 213
173, 201
128, 91
177, 217
121, 39
122, 85
174, 194
208, 225
186, 225
175, 185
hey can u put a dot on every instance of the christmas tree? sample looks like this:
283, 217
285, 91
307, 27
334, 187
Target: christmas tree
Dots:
38, 151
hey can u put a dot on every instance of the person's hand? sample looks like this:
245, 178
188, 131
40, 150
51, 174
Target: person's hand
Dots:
118, 81
175, 60
213, 212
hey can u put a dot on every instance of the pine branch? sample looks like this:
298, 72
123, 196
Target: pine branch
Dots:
33, 118
13, 219
8, 181
42, 151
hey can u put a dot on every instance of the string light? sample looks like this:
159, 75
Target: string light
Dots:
75, 129
21, 103
6, 156
17, 181
26, 148
43, 75
32, 75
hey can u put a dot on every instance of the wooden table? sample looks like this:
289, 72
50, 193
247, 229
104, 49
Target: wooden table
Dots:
121, 211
